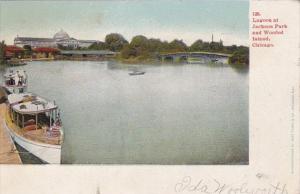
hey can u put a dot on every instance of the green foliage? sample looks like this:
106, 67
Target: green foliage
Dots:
139, 41
177, 46
141, 47
98, 46
231, 49
156, 45
2, 52
115, 41
198, 45
216, 46
127, 52
138, 47
240, 55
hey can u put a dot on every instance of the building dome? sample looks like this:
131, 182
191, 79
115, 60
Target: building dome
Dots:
61, 35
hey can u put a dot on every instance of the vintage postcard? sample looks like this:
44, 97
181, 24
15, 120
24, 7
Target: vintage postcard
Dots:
125, 85
184, 96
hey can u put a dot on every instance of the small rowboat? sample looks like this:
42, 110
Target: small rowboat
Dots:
137, 73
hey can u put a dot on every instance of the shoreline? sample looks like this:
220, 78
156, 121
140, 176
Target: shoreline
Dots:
135, 60
8, 152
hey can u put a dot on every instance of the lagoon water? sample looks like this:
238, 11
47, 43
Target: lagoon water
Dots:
174, 114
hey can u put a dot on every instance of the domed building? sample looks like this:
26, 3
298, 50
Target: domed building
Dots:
60, 39
61, 35
63, 39
34, 42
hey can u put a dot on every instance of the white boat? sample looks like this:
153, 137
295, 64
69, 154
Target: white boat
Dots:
34, 124
16, 81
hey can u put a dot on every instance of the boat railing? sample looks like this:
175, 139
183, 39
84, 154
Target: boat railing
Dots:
43, 138
38, 134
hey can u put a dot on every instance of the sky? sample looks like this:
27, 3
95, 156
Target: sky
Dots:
186, 20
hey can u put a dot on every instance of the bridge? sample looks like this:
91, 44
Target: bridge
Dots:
195, 57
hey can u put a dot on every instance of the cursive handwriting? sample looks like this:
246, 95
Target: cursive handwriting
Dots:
213, 186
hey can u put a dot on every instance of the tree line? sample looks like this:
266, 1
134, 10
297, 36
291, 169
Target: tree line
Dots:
141, 48
2, 52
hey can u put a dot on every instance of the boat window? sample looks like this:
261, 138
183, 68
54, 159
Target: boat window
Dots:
23, 106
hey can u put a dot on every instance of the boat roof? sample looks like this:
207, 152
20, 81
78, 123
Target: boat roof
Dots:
28, 103
15, 86
12, 74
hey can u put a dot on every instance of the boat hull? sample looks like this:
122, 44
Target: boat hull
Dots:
48, 153
138, 73
15, 89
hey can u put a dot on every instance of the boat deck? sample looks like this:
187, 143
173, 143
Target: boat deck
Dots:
38, 135
8, 151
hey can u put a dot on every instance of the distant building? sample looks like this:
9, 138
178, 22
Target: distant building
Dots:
34, 42
85, 54
12, 51
44, 52
61, 38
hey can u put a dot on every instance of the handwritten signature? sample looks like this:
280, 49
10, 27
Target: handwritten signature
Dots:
186, 184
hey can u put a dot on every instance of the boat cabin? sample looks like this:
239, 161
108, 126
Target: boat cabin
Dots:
35, 118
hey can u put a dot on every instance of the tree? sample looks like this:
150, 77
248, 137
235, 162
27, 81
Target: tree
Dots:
177, 46
157, 46
198, 45
231, 49
139, 41
98, 46
128, 52
240, 55
115, 41
138, 47
2, 52
215, 46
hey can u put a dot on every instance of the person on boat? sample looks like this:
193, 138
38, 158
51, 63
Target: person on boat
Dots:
19, 76
16, 78
20, 81
58, 120
25, 77
11, 81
